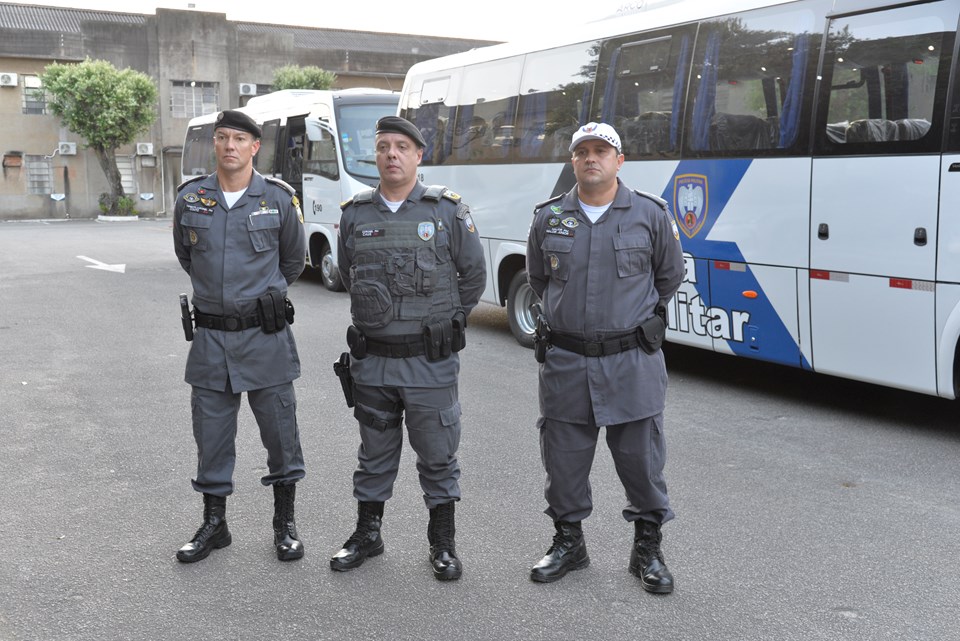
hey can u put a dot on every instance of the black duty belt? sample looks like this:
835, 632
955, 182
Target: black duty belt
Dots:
397, 346
606, 347
225, 323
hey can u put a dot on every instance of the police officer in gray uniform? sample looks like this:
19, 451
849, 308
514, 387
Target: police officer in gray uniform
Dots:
605, 260
412, 261
240, 237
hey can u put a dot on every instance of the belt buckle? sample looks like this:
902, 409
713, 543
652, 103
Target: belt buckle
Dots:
592, 349
231, 323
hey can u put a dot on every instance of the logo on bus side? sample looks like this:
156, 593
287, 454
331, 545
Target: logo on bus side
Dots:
690, 197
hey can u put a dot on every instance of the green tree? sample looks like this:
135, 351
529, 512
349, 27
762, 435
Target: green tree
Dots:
295, 77
109, 107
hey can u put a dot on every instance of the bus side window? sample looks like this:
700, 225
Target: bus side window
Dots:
555, 94
643, 92
321, 157
484, 129
884, 80
429, 111
751, 73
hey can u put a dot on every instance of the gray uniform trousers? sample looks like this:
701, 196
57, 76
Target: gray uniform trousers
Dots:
434, 435
639, 453
215, 430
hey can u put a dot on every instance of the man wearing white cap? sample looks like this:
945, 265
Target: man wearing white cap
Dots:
605, 260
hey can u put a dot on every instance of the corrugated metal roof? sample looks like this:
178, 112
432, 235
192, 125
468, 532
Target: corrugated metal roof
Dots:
62, 20
34, 18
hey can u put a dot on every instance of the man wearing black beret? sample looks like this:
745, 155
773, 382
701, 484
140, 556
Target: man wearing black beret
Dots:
412, 260
240, 237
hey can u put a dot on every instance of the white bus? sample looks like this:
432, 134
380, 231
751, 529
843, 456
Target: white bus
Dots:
320, 142
809, 150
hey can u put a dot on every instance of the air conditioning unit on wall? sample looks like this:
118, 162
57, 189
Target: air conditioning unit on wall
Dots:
144, 148
8, 79
67, 148
248, 89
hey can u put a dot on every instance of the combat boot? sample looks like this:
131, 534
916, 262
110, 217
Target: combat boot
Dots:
568, 552
285, 536
213, 533
646, 559
443, 550
364, 542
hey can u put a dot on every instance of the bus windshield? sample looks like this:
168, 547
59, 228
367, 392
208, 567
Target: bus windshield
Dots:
357, 129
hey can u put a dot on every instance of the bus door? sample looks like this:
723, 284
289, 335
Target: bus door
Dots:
291, 150
875, 194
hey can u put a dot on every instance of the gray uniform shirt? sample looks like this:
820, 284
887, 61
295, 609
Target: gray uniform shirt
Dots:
597, 280
233, 257
467, 253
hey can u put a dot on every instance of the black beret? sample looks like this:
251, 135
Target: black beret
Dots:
232, 119
398, 125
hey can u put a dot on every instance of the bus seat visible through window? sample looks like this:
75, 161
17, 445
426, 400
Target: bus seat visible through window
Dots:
742, 131
647, 134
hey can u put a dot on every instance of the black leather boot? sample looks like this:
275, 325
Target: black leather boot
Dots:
443, 550
646, 559
213, 533
364, 542
285, 536
568, 552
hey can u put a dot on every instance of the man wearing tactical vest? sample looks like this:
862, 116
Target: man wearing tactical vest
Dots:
412, 260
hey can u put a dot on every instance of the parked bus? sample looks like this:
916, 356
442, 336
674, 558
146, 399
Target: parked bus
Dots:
809, 150
319, 142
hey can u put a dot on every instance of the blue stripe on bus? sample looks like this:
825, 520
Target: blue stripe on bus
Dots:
772, 341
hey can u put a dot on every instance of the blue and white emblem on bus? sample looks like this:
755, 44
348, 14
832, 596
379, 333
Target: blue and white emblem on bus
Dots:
425, 231
690, 202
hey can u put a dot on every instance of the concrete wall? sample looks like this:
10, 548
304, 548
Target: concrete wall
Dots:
170, 46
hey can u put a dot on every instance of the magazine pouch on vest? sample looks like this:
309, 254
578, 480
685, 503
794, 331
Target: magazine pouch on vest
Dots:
272, 312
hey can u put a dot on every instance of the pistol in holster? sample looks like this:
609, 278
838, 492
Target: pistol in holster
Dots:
341, 367
541, 335
186, 318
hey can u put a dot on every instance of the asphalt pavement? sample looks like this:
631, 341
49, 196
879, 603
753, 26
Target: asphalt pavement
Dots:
808, 508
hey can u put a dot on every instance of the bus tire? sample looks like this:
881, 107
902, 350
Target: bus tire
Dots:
329, 271
519, 299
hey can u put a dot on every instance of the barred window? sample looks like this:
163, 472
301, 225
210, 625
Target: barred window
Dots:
190, 98
39, 175
34, 96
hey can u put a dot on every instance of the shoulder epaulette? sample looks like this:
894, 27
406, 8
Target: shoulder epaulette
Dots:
434, 192
365, 196
547, 202
281, 184
657, 199
187, 182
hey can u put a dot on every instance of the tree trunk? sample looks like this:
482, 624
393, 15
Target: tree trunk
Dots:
108, 163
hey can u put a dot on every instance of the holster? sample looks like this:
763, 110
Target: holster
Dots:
357, 342
288, 311
186, 318
271, 309
459, 324
541, 335
652, 331
341, 367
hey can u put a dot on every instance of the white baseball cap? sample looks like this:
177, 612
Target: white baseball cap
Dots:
596, 131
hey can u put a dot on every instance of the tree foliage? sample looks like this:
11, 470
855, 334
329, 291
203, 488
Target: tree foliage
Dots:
109, 107
296, 77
